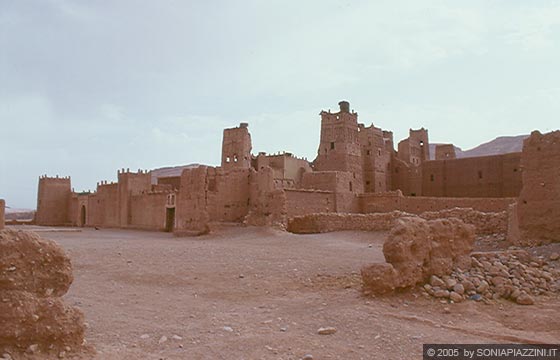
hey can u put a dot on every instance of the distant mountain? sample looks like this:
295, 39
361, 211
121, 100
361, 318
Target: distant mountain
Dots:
170, 171
498, 146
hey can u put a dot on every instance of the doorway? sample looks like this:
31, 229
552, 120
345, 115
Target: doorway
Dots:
83, 216
169, 219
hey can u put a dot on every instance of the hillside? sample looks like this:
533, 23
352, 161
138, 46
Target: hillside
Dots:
498, 146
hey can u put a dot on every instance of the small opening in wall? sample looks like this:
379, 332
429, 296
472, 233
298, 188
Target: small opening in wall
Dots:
480, 174
350, 186
367, 182
368, 152
432, 177
514, 170
228, 159
332, 145
234, 158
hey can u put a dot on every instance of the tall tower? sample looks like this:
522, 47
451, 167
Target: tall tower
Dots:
236, 148
339, 148
53, 200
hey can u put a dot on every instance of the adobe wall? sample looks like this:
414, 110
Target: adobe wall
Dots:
191, 211
228, 194
488, 176
2, 213
288, 170
301, 202
267, 205
53, 201
78, 202
376, 156
103, 206
406, 177
380, 203
148, 211
130, 184
173, 181
538, 207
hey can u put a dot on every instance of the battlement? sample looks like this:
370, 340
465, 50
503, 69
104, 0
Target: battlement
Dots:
127, 171
54, 178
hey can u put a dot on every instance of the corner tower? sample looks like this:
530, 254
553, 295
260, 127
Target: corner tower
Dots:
236, 148
53, 201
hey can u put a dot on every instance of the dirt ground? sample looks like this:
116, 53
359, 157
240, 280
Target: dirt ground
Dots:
255, 293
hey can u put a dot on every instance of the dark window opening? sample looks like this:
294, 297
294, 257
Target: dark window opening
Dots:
350, 186
332, 146
514, 170
367, 182
368, 152
480, 174
432, 177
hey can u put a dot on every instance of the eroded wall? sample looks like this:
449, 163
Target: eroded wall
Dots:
302, 202
538, 207
148, 210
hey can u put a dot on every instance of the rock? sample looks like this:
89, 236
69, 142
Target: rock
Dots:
441, 294
554, 256
483, 287
525, 299
145, 336
436, 281
227, 328
476, 297
241, 276
177, 337
326, 331
379, 278
459, 289
450, 283
162, 340
307, 357
32, 349
455, 297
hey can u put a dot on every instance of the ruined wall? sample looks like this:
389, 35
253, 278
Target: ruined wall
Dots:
488, 176
406, 177
53, 201
148, 210
445, 152
339, 148
538, 207
236, 148
191, 211
301, 202
416, 148
2, 213
387, 202
267, 205
228, 194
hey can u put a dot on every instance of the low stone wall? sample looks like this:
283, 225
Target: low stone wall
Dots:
330, 222
485, 223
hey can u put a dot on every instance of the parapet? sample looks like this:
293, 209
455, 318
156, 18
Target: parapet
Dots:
55, 178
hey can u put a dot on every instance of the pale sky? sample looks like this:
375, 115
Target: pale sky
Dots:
88, 86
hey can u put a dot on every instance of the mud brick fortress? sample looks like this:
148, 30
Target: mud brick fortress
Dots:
357, 170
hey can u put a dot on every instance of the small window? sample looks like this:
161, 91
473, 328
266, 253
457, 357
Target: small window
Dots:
234, 158
514, 170
432, 177
368, 152
350, 186
367, 182
228, 159
379, 152
332, 145
480, 174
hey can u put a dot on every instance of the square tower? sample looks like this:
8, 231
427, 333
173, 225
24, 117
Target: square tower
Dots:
236, 148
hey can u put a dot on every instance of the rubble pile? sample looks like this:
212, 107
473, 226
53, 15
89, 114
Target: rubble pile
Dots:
515, 275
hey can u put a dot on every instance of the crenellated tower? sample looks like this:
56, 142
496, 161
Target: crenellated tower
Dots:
53, 200
236, 148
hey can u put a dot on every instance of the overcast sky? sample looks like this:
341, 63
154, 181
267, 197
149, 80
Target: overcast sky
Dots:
89, 86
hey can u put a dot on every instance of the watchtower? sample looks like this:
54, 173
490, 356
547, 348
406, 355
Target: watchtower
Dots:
53, 200
236, 148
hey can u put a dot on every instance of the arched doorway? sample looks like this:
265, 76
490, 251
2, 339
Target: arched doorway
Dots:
83, 216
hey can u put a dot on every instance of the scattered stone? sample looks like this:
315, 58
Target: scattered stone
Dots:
227, 328
326, 331
162, 340
145, 336
441, 294
177, 337
32, 349
455, 297
525, 299
459, 289
554, 256
241, 276
307, 357
283, 329
436, 282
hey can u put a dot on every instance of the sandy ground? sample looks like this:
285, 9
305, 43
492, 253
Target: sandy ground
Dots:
253, 293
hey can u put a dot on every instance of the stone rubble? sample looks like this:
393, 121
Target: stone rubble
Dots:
513, 275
